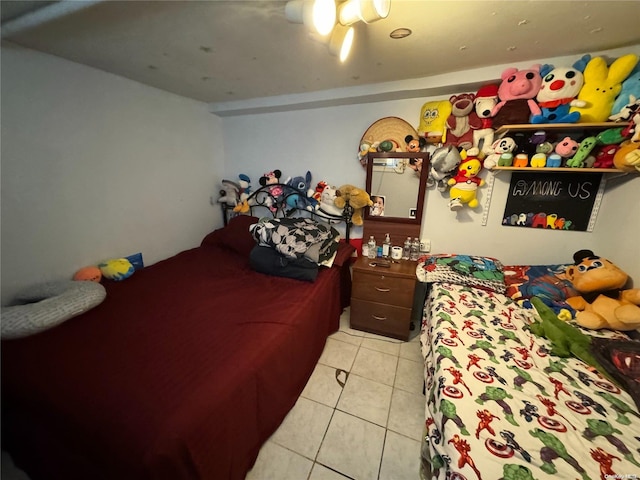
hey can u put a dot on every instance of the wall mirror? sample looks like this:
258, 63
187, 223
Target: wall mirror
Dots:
396, 182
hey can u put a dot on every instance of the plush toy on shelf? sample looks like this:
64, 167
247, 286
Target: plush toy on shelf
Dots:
602, 85
628, 110
443, 164
356, 198
603, 301
501, 153
433, 117
486, 100
584, 149
558, 92
462, 121
465, 184
630, 87
244, 191
565, 148
516, 93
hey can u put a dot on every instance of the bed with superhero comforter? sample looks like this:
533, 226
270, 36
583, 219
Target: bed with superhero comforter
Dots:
499, 405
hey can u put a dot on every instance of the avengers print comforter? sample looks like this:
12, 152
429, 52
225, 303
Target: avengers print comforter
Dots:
499, 406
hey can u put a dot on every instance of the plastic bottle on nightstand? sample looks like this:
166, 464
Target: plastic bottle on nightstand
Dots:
386, 247
372, 247
415, 250
406, 250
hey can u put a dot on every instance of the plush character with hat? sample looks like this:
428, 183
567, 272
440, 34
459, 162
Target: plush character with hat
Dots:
603, 301
485, 101
465, 184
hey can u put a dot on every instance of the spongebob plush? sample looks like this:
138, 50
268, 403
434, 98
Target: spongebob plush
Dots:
465, 184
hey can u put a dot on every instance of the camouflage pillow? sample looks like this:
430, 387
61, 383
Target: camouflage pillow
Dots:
466, 270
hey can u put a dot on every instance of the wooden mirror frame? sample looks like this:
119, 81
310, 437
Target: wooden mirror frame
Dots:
422, 186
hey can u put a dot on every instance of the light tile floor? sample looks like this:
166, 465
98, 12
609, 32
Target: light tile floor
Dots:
360, 415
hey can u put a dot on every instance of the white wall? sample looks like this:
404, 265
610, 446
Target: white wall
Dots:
326, 140
95, 166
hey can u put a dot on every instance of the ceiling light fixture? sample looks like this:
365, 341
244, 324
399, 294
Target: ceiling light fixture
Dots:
400, 33
352, 11
320, 15
341, 41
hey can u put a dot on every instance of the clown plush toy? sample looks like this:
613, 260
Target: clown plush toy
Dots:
558, 92
465, 184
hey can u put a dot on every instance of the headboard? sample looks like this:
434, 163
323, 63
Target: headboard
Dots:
281, 200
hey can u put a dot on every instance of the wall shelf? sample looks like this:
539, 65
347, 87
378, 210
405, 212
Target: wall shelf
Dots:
554, 127
559, 169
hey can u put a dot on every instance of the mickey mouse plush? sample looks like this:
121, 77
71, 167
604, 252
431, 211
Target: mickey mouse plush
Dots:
272, 178
415, 145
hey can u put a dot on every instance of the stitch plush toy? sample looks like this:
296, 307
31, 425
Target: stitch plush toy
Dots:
356, 197
465, 184
486, 100
302, 196
462, 121
516, 93
558, 92
603, 302
602, 85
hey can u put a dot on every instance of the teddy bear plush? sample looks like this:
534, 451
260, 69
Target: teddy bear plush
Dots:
603, 302
462, 121
356, 198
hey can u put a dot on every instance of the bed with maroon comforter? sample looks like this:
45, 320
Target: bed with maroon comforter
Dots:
183, 371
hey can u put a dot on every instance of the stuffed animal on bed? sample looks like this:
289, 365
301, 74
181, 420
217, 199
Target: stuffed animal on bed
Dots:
517, 92
304, 199
603, 300
276, 191
230, 193
356, 198
116, 269
602, 85
327, 201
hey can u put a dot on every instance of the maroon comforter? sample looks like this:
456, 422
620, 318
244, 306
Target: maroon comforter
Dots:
182, 372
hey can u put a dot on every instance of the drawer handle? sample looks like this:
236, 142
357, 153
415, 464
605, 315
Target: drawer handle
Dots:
383, 289
375, 317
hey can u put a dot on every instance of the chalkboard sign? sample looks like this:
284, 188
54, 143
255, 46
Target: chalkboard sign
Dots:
554, 200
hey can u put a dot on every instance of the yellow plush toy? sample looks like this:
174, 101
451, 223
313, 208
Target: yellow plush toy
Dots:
601, 87
603, 302
433, 118
465, 184
356, 197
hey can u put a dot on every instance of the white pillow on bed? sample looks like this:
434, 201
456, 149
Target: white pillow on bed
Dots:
49, 304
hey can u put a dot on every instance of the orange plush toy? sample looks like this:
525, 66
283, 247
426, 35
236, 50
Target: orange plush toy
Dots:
603, 302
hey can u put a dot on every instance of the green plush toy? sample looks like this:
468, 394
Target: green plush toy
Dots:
566, 340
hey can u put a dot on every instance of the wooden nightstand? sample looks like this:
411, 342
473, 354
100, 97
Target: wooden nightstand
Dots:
382, 298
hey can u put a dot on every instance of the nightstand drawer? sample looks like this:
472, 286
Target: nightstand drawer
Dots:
381, 288
380, 318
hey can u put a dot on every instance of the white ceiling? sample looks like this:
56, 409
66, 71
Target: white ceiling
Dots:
223, 51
